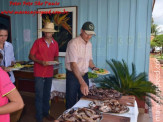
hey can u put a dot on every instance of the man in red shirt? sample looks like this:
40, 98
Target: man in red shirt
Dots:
43, 50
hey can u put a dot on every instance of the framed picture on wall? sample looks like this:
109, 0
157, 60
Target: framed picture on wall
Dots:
5, 20
65, 22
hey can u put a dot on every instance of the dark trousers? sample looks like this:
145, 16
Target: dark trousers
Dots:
42, 96
73, 93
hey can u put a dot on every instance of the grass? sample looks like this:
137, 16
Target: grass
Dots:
154, 55
158, 56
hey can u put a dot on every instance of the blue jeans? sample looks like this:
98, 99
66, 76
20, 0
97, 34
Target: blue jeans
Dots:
73, 93
42, 96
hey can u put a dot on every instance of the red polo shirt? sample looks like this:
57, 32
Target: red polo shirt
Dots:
44, 53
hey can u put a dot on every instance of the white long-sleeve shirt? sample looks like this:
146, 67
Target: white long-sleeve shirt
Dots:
8, 57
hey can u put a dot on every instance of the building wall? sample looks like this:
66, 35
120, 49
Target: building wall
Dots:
122, 29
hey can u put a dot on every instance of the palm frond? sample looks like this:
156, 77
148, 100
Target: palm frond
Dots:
128, 83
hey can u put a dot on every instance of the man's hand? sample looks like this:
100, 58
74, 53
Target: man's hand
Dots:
92, 66
45, 63
95, 68
12, 63
84, 88
33, 58
7, 69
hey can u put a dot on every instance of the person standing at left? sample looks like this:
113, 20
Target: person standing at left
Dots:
10, 99
7, 51
43, 50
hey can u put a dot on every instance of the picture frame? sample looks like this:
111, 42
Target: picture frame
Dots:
6, 20
65, 22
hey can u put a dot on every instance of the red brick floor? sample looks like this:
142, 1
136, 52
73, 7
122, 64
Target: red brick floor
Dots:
156, 76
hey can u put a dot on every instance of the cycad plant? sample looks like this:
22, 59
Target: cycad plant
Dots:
129, 83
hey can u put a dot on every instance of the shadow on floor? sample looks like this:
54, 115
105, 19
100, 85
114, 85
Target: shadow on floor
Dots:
28, 113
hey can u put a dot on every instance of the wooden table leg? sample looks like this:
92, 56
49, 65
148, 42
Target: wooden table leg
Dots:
56, 99
17, 83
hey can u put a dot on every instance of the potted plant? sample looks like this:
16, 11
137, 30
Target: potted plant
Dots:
129, 83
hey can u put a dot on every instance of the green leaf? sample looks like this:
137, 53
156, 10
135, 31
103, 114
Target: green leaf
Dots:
128, 83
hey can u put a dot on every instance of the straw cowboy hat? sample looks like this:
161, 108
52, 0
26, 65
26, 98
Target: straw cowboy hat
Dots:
48, 27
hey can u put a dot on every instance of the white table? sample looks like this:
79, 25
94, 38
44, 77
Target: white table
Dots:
132, 114
59, 87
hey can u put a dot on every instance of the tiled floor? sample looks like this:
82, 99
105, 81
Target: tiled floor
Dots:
144, 118
156, 76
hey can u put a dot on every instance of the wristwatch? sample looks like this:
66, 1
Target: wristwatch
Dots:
93, 68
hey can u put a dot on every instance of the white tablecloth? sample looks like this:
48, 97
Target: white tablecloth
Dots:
59, 87
133, 112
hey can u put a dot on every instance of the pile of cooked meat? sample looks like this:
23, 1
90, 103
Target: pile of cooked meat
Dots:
110, 106
80, 115
103, 94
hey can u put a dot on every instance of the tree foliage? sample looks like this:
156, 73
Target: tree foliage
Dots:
158, 41
154, 28
153, 44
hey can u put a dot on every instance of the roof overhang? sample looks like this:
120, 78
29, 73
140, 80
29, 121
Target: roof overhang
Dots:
153, 4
